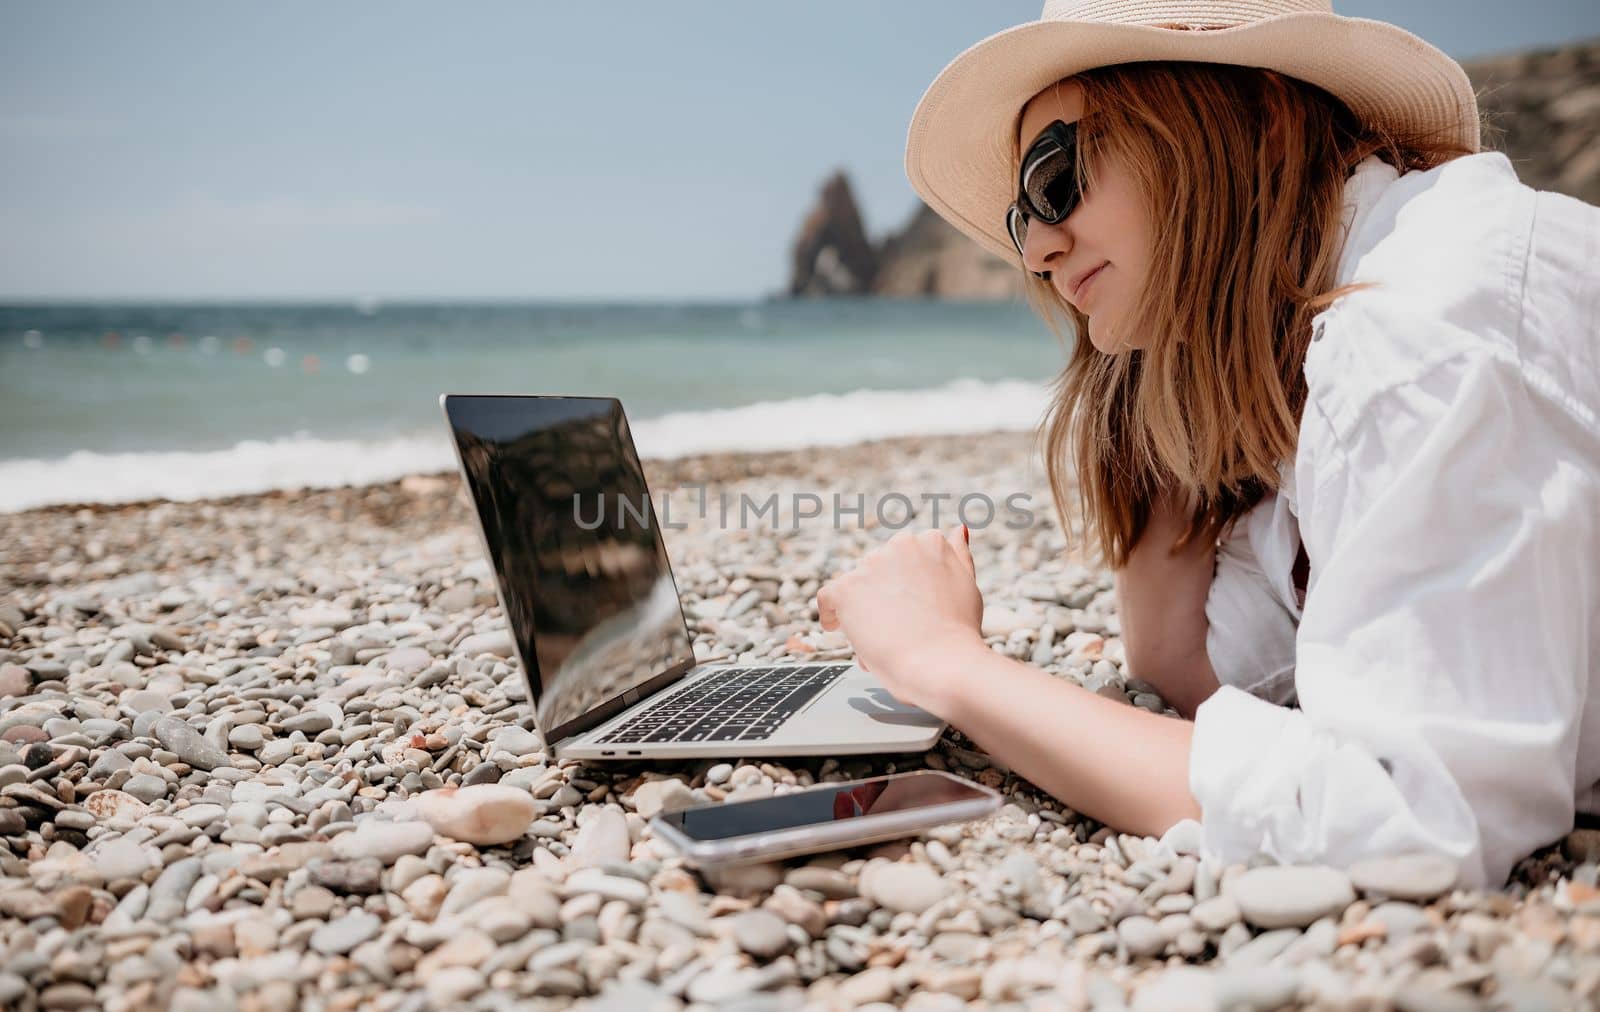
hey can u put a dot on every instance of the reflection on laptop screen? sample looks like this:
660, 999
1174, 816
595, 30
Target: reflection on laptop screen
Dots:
573, 538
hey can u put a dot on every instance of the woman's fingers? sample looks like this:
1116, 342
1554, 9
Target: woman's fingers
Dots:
828, 612
957, 536
827, 607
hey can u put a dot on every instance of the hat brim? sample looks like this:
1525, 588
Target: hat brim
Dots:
961, 144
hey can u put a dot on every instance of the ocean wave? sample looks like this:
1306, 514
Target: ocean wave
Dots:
841, 419
312, 462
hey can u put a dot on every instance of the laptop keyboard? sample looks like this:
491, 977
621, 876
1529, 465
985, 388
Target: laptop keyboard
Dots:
740, 704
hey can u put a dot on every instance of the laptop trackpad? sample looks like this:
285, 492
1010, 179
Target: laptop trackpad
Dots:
859, 706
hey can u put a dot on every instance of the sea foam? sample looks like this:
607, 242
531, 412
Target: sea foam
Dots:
308, 461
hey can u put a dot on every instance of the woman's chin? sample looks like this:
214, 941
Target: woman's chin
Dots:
1103, 339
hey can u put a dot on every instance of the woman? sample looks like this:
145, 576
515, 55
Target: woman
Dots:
1334, 429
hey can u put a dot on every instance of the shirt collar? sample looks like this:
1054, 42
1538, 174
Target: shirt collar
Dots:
1371, 176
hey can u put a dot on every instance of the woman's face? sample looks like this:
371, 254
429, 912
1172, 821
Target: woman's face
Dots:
1108, 230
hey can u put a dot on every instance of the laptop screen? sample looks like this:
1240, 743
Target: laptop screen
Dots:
572, 535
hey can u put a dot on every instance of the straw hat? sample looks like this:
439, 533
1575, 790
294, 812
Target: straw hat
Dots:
961, 147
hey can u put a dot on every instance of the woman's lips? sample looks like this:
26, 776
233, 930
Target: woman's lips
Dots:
1083, 286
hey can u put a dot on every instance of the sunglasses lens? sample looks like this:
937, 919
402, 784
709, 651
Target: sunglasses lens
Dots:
1050, 184
1017, 225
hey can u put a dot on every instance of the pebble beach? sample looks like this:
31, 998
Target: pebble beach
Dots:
276, 752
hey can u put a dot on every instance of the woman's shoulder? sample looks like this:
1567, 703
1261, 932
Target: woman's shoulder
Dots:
1458, 237
1465, 263
1448, 236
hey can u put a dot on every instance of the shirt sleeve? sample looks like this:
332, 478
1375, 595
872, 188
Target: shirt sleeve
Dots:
1444, 646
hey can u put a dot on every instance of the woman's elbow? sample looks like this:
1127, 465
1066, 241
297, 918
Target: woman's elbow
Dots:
1182, 677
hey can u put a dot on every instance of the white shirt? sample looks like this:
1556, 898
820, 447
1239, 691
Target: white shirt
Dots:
1447, 486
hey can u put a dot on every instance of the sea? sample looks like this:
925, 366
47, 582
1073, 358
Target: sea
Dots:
104, 402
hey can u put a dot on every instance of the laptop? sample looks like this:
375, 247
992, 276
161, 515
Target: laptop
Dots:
583, 576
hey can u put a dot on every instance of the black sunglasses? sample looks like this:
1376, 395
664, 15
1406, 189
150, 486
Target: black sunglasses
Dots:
1047, 183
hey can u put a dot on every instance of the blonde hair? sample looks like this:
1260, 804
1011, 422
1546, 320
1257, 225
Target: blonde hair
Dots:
1242, 174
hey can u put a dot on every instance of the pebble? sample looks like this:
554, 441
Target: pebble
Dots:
322, 615
602, 840
1263, 948
426, 896
1180, 989
189, 745
518, 741
868, 986
110, 806
497, 643
339, 936
301, 871
657, 796
1405, 877
145, 788
761, 933
1291, 895
483, 814
385, 841
483, 773
1400, 920
122, 859
1083, 918
1001, 621
1142, 936
1216, 914
15, 680
538, 901
202, 816
145, 701
171, 890
473, 884
793, 907
310, 723
459, 597
313, 903
407, 660
1255, 989
360, 877
900, 886
830, 882
247, 737
610, 887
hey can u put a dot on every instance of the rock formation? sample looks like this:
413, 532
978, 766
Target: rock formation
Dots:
1543, 108
930, 258
832, 255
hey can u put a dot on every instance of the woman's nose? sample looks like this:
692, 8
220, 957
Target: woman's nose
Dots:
1045, 245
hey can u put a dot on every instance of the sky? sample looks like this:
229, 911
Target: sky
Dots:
628, 150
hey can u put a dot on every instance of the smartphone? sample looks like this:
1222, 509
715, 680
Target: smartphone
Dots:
826, 817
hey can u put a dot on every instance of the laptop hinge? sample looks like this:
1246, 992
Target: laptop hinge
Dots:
616, 704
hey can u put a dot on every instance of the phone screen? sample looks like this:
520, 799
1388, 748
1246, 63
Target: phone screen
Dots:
830, 803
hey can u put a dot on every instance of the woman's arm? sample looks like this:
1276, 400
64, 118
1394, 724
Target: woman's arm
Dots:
1444, 659
1126, 767
1161, 600
911, 609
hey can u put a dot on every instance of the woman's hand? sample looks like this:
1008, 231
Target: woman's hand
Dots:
907, 607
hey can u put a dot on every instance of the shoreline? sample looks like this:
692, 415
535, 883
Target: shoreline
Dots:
219, 718
722, 463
